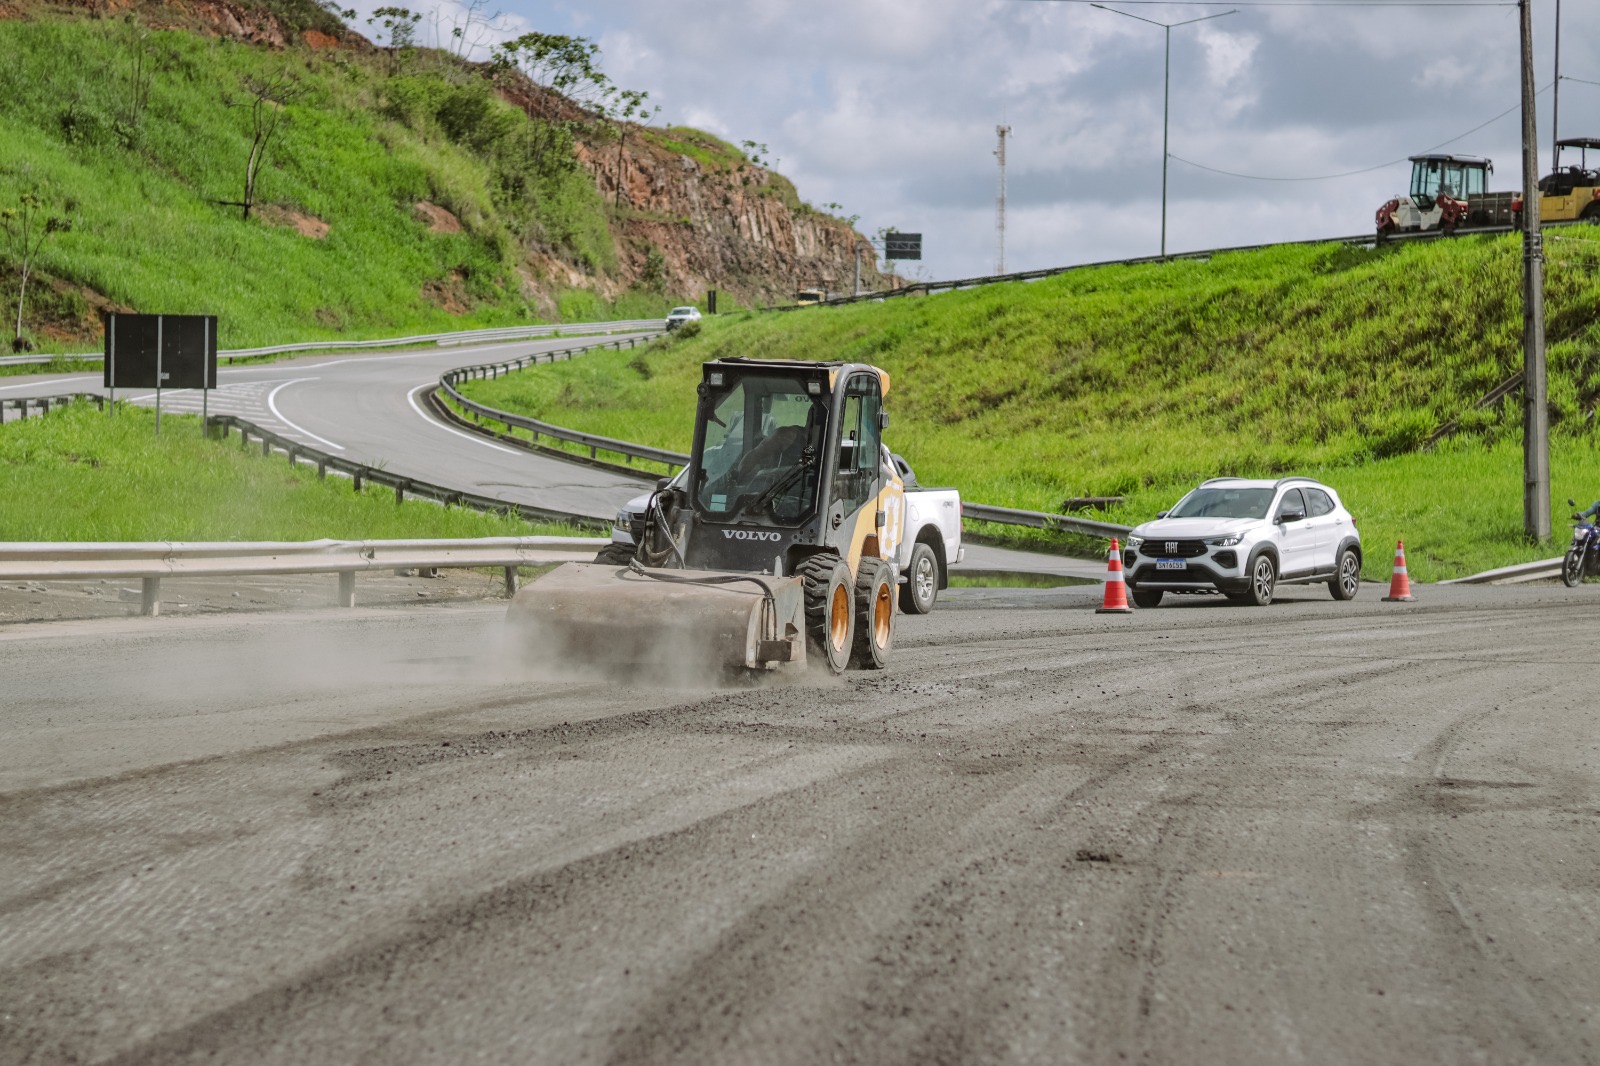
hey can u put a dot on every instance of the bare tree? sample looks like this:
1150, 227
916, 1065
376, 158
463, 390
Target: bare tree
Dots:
27, 226
474, 28
268, 99
625, 107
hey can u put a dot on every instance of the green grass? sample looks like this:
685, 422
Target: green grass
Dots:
1141, 381
80, 474
357, 149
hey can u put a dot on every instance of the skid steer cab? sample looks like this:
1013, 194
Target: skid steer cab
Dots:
777, 547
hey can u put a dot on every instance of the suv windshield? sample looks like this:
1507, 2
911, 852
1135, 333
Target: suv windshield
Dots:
683, 310
762, 452
1223, 503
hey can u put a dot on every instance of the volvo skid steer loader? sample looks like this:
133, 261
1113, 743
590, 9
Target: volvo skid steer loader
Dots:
776, 548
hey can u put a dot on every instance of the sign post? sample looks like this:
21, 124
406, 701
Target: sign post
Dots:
161, 352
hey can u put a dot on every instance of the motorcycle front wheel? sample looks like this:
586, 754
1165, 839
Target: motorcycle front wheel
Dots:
1572, 568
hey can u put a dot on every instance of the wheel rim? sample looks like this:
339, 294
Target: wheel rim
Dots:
839, 617
1264, 579
1350, 575
882, 615
924, 578
1574, 564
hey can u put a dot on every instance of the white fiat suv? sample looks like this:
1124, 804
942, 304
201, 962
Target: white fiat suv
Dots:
1244, 538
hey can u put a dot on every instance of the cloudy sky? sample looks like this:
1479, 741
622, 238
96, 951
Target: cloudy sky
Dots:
889, 108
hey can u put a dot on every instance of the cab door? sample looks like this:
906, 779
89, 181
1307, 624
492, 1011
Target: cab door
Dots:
858, 473
1296, 536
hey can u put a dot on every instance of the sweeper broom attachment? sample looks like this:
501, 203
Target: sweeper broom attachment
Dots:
775, 549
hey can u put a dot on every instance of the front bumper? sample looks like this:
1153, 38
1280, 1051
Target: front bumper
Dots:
1200, 575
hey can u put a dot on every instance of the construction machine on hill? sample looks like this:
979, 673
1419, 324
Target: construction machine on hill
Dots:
1572, 193
1448, 192
777, 547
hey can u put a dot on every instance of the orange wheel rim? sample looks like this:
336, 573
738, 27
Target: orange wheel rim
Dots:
839, 617
882, 612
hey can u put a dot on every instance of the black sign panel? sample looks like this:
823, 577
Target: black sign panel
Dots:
160, 351
902, 246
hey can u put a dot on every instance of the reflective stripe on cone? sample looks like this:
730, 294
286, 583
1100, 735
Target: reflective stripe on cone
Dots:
1116, 596
1400, 583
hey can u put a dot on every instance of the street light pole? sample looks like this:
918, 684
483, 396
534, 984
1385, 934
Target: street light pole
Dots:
1166, 97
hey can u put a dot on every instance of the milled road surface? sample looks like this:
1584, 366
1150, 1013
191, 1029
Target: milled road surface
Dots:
1317, 832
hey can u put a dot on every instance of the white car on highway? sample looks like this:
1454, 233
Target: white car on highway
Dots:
679, 315
1244, 538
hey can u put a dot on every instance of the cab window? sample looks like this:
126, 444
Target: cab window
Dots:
856, 481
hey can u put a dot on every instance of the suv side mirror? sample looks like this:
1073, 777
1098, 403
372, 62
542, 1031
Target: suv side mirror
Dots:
1162, 514
1285, 517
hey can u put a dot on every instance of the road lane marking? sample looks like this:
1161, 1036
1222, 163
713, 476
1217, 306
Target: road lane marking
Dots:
272, 405
411, 398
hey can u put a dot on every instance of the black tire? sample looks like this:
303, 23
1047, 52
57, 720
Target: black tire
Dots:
1591, 214
1347, 578
615, 554
830, 611
1147, 597
1263, 579
922, 581
874, 608
1572, 568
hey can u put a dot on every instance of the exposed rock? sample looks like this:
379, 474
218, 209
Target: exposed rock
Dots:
436, 218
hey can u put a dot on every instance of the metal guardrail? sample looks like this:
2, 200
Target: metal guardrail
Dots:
593, 441
150, 562
362, 474
1541, 570
24, 404
471, 336
627, 449
923, 288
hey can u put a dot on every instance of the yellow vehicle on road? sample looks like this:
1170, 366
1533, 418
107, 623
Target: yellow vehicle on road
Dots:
1572, 192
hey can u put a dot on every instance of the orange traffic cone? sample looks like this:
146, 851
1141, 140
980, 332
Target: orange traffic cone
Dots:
1399, 584
1116, 598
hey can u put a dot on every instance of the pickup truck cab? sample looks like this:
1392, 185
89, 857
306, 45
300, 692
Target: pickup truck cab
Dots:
930, 541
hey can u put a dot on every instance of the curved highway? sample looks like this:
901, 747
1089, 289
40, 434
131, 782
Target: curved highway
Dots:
367, 408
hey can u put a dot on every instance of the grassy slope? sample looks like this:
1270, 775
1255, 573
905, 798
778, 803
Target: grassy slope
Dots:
80, 475
1139, 381
148, 236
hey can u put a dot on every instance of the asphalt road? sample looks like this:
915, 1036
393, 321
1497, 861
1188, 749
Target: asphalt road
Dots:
365, 407
1316, 832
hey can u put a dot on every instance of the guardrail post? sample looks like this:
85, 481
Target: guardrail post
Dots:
347, 588
400, 492
511, 581
322, 470
150, 597
266, 446
355, 479
293, 455
44, 406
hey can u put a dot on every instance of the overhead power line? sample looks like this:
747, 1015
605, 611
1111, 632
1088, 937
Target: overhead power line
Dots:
1580, 81
1363, 170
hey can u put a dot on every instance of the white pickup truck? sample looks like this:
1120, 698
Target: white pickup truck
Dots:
932, 541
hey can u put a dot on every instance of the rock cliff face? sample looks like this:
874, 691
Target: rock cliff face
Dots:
720, 224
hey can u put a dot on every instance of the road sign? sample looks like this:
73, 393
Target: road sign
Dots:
902, 246
160, 351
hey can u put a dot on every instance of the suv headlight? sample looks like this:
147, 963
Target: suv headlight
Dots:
1226, 542
1132, 542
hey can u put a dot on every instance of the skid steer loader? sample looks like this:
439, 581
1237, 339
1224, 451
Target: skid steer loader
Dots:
776, 548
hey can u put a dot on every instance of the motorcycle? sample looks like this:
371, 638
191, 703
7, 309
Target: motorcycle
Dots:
1583, 557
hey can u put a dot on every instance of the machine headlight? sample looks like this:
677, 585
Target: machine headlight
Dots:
1133, 541
1226, 542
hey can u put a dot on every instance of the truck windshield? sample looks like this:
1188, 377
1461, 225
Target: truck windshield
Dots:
762, 452
1223, 503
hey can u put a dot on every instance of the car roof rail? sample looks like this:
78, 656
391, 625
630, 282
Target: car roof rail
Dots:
1282, 481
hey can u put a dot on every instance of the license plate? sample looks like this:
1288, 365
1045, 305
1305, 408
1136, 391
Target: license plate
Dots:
1172, 564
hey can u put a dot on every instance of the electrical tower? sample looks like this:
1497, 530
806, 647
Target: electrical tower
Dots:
1000, 203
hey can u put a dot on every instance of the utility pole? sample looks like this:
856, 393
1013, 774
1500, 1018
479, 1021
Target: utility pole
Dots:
1555, 104
1166, 97
1536, 408
1000, 203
